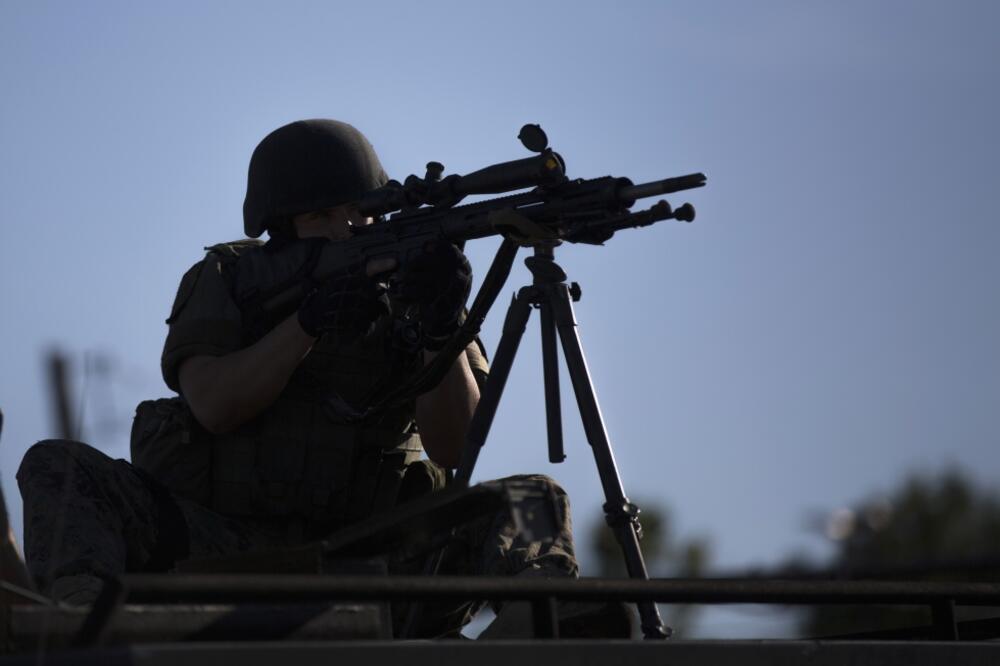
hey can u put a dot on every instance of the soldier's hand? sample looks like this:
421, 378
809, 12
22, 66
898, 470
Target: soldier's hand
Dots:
438, 281
346, 307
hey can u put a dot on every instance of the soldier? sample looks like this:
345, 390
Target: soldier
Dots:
255, 452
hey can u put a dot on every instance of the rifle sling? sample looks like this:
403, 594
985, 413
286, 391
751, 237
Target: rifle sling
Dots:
432, 374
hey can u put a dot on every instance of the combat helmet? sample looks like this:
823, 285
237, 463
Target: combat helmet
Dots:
307, 165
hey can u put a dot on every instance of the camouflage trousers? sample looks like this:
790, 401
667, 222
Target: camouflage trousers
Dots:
88, 518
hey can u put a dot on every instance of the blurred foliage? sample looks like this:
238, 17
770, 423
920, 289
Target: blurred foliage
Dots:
664, 553
940, 528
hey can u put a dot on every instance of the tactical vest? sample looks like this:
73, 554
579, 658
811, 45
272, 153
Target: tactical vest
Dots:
298, 458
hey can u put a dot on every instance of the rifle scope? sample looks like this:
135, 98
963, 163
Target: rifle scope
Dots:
545, 169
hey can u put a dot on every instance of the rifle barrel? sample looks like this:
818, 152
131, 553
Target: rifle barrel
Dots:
665, 186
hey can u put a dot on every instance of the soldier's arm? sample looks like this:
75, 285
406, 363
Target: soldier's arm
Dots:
226, 391
444, 413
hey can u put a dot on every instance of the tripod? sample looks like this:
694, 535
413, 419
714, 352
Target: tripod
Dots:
553, 298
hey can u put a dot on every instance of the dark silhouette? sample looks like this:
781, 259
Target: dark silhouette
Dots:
932, 528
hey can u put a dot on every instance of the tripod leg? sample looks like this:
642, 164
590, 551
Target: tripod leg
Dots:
620, 513
482, 419
550, 366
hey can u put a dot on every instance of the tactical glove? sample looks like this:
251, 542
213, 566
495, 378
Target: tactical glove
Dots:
346, 307
438, 282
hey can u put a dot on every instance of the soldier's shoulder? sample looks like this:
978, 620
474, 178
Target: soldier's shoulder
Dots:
235, 249
219, 262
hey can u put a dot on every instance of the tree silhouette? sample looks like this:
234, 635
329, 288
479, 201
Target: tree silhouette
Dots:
940, 528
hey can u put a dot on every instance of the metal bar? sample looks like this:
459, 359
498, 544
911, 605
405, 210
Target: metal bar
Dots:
544, 270
545, 617
11, 590
550, 367
551, 653
985, 567
943, 617
482, 418
149, 588
665, 186
619, 512
968, 630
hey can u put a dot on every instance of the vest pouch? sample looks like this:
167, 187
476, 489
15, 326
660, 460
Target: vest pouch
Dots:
234, 458
398, 474
421, 478
330, 466
166, 443
291, 462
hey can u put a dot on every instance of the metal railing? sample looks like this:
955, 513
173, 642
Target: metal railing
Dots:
543, 594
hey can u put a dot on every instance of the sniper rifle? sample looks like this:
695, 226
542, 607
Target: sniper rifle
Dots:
419, 211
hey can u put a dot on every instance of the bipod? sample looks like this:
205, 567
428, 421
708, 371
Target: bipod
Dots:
553, 297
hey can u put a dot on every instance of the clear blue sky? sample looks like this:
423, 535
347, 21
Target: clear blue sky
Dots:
829, 323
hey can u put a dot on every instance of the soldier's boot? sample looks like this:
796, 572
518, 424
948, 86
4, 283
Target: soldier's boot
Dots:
576, 620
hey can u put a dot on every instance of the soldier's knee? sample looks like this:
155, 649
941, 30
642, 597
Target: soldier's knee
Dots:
39, 458
53, 455
542, 480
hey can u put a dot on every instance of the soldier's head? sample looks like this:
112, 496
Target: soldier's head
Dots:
307, 174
